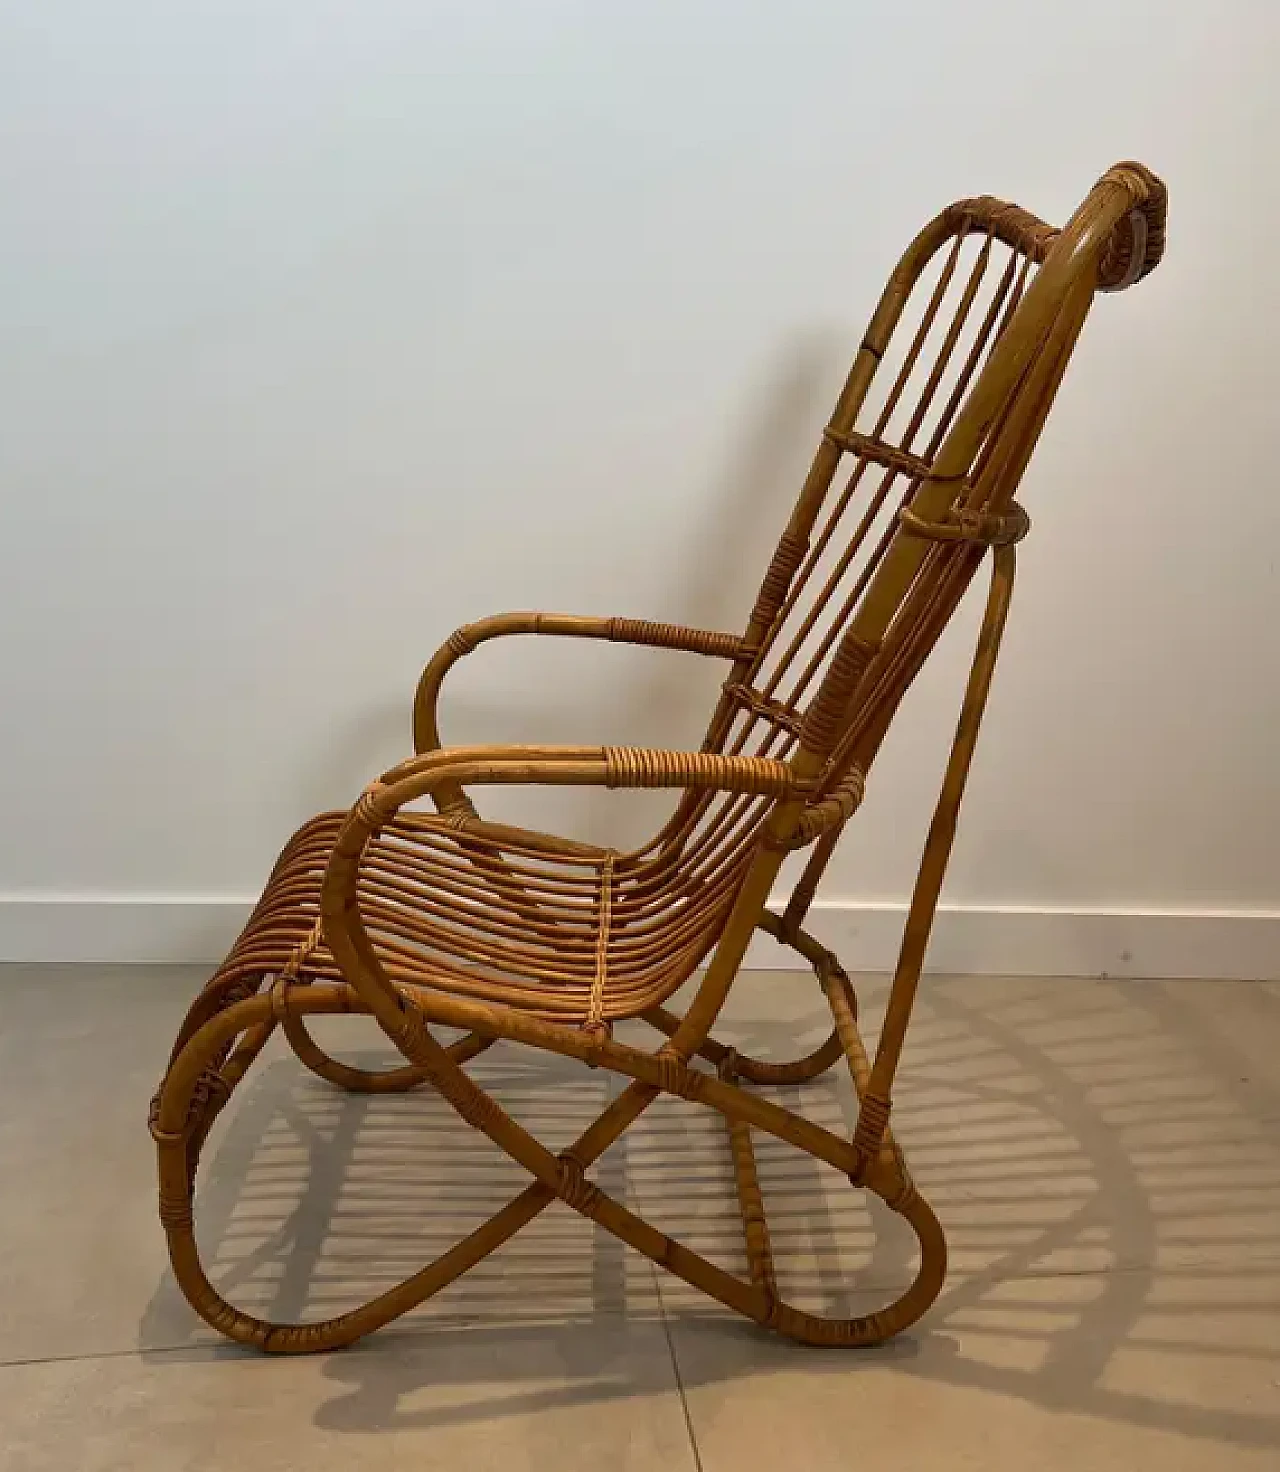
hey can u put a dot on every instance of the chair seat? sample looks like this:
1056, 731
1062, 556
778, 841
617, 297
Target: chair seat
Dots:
486, 913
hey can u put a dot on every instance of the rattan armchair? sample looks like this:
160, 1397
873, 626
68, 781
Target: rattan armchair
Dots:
444, 919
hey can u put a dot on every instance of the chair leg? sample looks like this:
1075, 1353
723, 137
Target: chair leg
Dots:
199, 1082
755, 1070
801, 1070
207, 1068
892, 1181
399, 1080
563, 1174
818, 1329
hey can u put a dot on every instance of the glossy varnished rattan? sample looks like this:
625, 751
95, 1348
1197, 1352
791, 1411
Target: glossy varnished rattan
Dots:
444, 919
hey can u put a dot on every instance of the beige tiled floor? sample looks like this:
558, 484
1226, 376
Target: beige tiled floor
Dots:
1105, 1157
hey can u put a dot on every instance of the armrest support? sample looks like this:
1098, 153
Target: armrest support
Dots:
425, 776
426, 733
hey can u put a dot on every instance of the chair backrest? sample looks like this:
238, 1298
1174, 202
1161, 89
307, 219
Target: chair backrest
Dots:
912, 482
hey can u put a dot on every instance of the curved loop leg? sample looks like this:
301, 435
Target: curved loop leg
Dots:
801, 1070
890, 1180
183, 1111
905, 1310
212, 1062
398, 1080
755, 1070
181, 1117
563, 1176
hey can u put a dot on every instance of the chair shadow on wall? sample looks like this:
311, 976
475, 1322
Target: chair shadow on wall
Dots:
1109, 1188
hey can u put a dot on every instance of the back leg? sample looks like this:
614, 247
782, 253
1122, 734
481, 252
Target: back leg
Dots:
399, 1080
754, 1070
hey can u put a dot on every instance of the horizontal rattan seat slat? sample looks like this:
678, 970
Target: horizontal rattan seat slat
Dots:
451, 915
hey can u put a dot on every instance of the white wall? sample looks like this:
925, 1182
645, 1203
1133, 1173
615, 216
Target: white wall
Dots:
326, 327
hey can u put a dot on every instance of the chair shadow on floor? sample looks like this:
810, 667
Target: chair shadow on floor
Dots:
1110, 1187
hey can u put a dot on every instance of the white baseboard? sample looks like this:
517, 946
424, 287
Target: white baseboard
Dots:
145, 929
1000, 940
1003, 940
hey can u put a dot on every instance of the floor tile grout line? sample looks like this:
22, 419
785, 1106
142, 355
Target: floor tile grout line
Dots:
675, 1369
222, 1349
98, 1354
656, 1278
211, 1350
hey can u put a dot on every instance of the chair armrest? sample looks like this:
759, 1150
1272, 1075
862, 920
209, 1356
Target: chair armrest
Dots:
426, 732
424, 776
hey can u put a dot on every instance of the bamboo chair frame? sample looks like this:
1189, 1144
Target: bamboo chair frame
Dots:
450, 920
